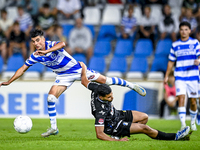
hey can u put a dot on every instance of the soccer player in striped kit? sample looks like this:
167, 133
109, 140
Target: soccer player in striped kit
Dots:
186, 53
68, 70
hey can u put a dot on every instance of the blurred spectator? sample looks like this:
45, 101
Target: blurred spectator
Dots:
52, 5
192, 4
80, 40
198, 33
30, 6
168, 25
68, 10
11, 3
45, 20
17, 41
25, 21
147, 25
5, 23
144, 3
114, 1
128, 24
3, 46
170, 98
192, 20
58, 34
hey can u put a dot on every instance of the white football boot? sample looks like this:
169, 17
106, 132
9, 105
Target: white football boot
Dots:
183, 133
49, 132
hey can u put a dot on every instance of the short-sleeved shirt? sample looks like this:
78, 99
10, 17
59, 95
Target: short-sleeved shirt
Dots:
17, 38
184, 53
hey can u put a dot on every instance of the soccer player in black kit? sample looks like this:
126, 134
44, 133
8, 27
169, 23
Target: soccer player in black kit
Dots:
118, 123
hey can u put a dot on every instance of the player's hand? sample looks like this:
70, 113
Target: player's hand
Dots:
4, 84
82, 64
41, 53
124, 139
165, 80
196, 62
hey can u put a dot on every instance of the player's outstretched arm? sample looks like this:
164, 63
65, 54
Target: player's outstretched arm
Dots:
84, 79
102, 136
169, 69
17, 74
54, 48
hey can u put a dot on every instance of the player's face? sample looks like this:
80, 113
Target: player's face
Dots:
39, 42
184, 31
108, 97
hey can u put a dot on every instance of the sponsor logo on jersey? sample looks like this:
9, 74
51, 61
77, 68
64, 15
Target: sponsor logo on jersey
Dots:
101, 121
91, 77
102, 112
191, 46
178, 90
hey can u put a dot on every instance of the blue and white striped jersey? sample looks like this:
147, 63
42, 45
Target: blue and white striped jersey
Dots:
58, 61
184, 53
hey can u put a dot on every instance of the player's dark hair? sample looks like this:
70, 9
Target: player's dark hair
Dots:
103, 90
46, 5
36, 32
185, 23
3, 11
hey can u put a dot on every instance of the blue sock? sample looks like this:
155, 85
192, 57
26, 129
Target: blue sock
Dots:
118, 81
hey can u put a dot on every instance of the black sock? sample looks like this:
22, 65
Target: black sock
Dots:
165, 136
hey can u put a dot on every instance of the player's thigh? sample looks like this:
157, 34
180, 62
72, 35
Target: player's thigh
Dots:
192, 89
101, 79
139, 116
180, 87
57, 90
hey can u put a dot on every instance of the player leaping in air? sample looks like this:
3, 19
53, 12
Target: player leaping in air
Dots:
68, 70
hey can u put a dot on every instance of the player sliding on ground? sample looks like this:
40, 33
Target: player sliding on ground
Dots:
118, 123
68, 70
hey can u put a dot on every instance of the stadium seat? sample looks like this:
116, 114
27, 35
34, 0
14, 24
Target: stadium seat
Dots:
107, 33
12, 12
144, 48
91, 27
159, 64
1, 64
163, 47
155, 76
123, 48
118, 66
33, 72
14, 63
92, 15
109, 18
102, 48
80, 57
97, 63
66, 29
139, 66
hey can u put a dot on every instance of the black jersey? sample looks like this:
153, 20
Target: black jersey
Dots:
104, 112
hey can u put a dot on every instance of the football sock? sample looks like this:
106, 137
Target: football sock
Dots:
52, 110
193, 115
165, 136
118, 81
182, 115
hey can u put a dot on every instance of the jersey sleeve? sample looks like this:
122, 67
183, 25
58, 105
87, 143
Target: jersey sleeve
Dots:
198, 49
172, 56
100, 116
31, 60
92, 86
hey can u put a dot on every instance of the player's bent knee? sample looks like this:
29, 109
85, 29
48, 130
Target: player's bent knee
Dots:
51, 98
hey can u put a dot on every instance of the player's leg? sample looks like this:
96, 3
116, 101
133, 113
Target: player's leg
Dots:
139, 117
118, 81
198, 113
137, 128
192, 89
54, 93
180, 93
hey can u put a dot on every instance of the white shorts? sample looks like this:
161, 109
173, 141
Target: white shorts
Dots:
68, 79
189, 87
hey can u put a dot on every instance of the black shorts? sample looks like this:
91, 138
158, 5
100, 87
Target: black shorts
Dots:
123, 127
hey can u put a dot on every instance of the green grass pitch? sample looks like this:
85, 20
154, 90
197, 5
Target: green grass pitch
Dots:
79, 134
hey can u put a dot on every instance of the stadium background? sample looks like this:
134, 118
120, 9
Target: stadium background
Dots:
136, 60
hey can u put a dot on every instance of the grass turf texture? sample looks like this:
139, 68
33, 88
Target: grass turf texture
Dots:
80, 134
